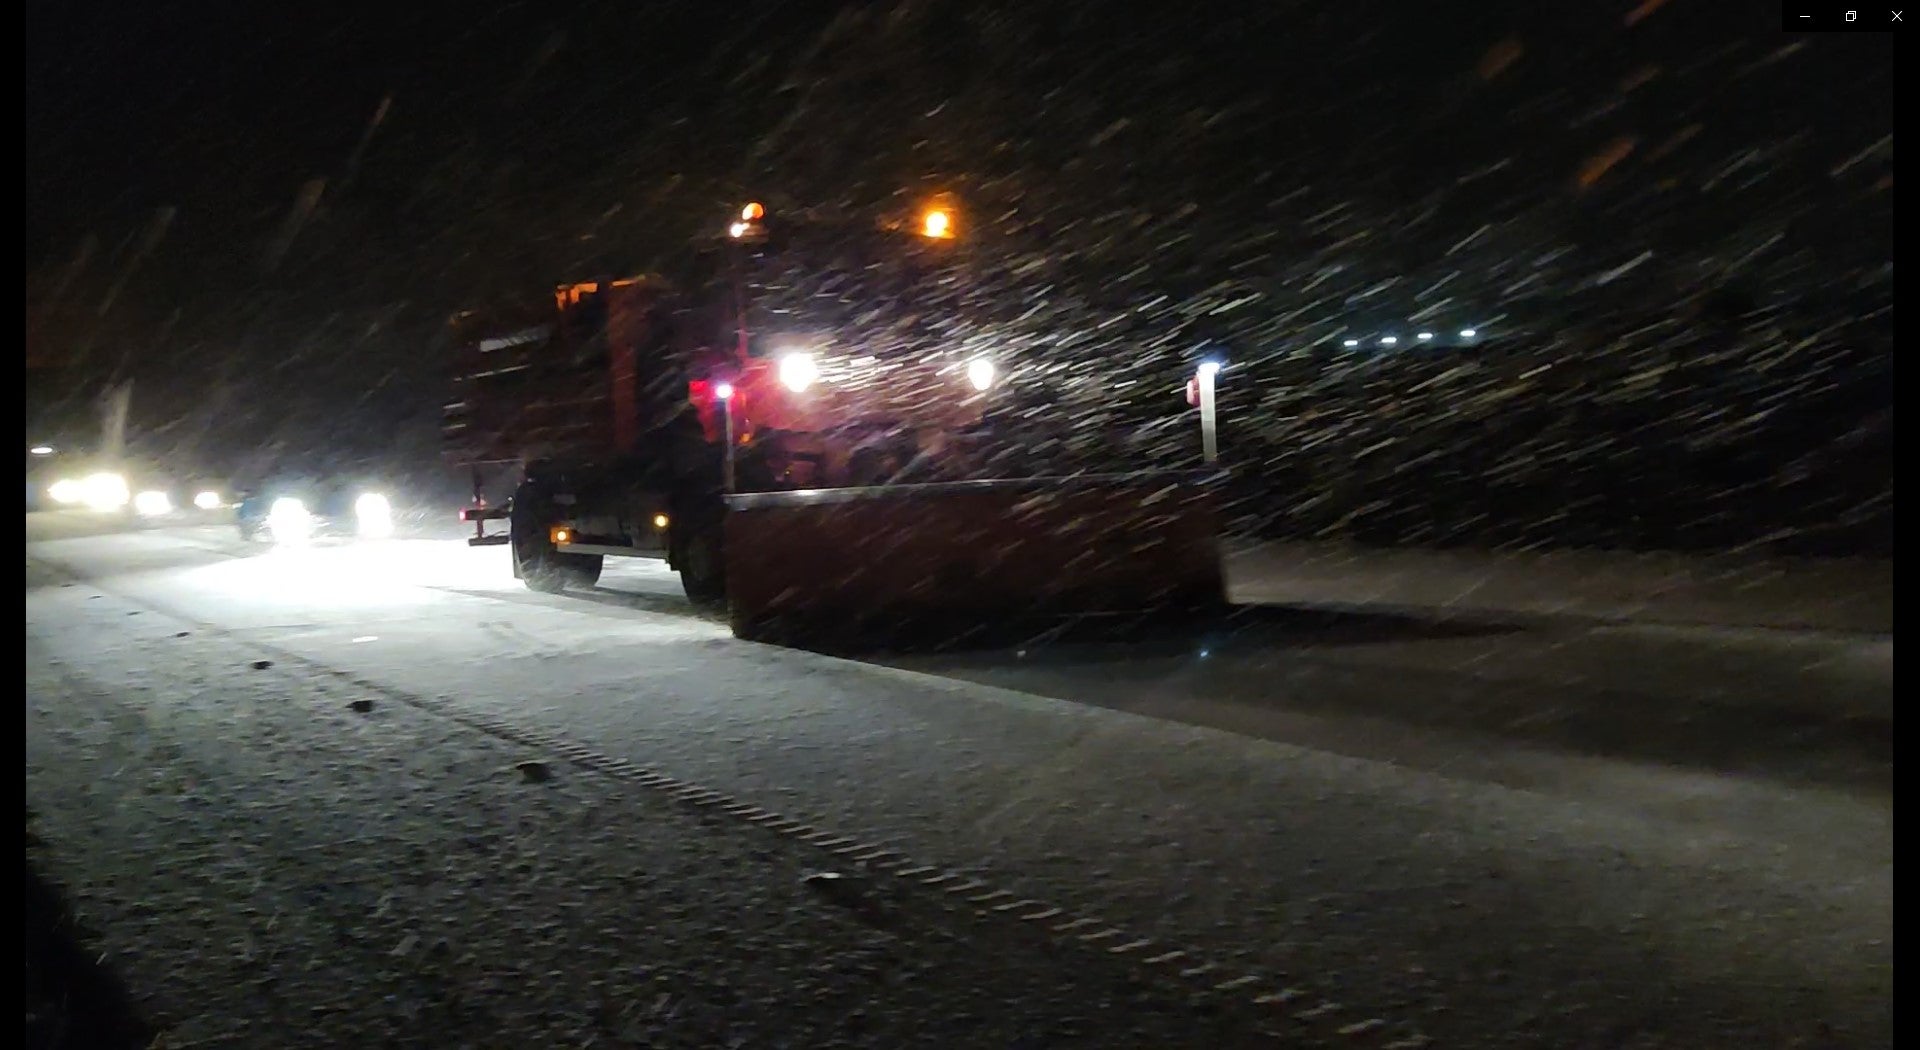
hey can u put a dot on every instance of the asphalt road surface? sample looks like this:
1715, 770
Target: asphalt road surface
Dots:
381, 795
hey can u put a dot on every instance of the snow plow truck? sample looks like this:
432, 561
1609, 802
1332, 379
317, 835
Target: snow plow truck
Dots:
799, 419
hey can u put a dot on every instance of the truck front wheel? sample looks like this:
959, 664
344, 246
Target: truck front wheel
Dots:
696, 557
536, 561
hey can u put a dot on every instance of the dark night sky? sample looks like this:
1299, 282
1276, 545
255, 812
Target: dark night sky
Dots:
528, 140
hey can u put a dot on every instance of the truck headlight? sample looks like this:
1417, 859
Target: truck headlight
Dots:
66, 491
152, 504
104, 492
289, 521
980, 373
373, 515
208, 500
798, 371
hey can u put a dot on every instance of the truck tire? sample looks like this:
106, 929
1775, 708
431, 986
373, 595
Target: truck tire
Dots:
536, 562
703, 574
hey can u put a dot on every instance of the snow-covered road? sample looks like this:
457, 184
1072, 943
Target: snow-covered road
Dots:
1488, 833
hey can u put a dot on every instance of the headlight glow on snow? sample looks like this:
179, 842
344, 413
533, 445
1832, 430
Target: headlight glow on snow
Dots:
798, 371
208, 500
980, 373
373, 515
152, 504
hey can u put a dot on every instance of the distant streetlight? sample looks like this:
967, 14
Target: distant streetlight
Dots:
1350, 342
1425, 337
1389, 340
1468, 333
41, 450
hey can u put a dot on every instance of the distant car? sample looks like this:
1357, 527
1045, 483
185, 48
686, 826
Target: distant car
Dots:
292, 514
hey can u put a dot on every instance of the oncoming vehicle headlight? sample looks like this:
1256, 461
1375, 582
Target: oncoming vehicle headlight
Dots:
980, 373
104, 492
373, 515
208, 500
152, 504
798, 371
289, 521
66, 491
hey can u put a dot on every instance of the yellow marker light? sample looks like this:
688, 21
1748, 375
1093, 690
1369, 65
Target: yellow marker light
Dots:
937, 224
560, 535
753, 212
659, 521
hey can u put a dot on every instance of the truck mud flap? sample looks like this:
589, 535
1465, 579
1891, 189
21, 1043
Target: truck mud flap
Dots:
970, 562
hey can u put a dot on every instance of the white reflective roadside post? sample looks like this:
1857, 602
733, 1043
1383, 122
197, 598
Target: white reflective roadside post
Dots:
1209, 414
723, 393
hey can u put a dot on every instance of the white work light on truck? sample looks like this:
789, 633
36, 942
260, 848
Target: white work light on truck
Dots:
980, 373
798, 371
1204, 384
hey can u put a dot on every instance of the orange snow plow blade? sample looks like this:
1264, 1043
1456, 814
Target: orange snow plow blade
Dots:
943, 562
